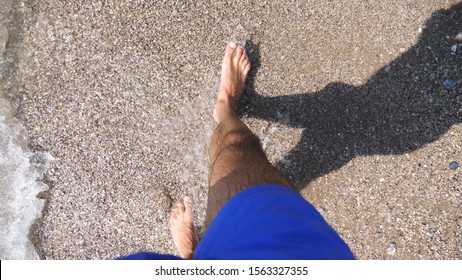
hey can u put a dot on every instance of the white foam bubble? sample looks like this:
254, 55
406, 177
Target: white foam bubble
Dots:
20, 173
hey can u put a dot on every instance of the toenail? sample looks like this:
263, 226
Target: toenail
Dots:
232, 45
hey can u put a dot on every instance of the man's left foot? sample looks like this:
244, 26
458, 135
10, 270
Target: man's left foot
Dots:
183, 229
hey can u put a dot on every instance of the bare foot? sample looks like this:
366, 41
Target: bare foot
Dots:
182, 227
234, 70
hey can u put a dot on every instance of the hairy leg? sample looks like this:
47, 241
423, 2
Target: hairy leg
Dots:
237, 159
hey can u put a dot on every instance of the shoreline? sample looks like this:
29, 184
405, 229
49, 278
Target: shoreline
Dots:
11, 26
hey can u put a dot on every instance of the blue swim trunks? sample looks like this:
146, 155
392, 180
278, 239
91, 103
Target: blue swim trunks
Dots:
267, 222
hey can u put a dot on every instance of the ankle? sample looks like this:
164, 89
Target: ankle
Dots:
223, 110
224, 104
226, 98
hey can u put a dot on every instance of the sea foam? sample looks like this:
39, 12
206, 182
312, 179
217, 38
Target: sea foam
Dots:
20, 173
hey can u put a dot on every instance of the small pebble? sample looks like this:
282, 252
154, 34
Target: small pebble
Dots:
391, 249
454, 49
454, 165
449, 84
443, 92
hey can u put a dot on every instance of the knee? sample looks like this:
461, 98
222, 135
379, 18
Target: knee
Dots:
236, 140
241, 137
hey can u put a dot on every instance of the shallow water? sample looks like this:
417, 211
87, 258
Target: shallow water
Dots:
20, 173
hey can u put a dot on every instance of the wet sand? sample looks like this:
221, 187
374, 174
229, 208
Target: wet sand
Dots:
347, 97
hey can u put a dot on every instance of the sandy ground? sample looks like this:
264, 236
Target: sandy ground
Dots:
349, 98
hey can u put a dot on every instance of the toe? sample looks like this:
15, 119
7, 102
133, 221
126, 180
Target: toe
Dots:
180, 206
243, 58
230, 48
245, 64
247, 69
238, 54
188, 203
215, 114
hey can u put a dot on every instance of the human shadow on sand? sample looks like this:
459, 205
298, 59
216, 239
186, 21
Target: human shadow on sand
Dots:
401, 108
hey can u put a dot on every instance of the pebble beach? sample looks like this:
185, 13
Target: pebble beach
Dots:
357, 102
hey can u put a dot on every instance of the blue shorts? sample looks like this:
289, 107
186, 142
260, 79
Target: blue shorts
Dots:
267, 222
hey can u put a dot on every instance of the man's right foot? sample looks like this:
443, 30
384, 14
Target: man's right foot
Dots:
234, 70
